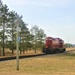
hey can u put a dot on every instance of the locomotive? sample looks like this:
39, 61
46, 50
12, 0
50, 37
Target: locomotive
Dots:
53, 45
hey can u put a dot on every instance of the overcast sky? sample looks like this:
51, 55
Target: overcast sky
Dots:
55, 17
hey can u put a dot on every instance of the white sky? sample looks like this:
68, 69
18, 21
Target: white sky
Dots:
56, 17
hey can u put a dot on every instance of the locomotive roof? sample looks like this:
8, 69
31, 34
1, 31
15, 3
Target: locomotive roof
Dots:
53, 38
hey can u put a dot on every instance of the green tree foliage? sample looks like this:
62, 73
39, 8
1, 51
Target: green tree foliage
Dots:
28, 39
34, 31
4, 18
41, 37
38, 38
68, 45
13, 30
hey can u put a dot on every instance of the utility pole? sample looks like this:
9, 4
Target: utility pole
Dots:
17, 22
17, 47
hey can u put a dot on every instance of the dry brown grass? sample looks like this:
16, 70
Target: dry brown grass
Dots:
56, 64
30, 52
70, 49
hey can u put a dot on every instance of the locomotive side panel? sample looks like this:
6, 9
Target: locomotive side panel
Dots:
48, 42
54, 45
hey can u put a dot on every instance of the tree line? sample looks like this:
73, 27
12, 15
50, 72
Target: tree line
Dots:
29, 38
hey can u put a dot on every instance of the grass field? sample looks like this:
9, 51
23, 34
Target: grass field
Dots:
54, 64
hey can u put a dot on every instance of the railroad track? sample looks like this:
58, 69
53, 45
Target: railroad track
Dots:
26, 56
20, 57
